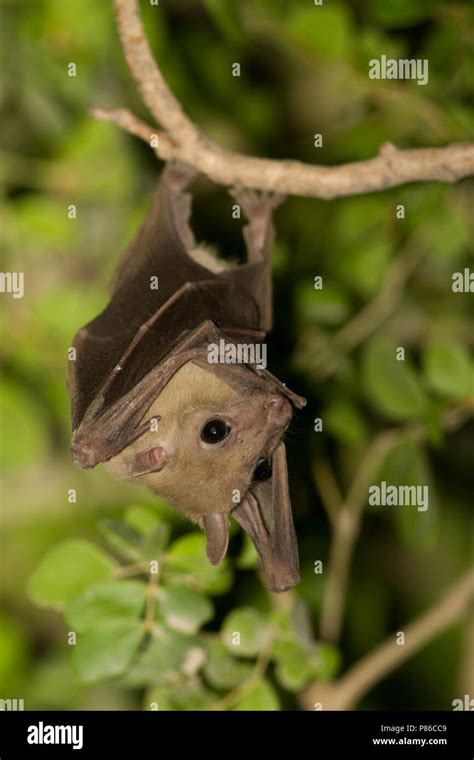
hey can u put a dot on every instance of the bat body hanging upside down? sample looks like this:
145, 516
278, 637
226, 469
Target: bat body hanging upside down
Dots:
148, 402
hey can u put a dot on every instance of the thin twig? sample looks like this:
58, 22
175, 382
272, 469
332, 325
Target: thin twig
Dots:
259, 670
125, 119
328, 487
345, 693
149, 622
186, 143
136, 568
346, 527
345, 533
386, 300
371, 316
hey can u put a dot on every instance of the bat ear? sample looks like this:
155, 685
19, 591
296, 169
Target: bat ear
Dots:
216, 528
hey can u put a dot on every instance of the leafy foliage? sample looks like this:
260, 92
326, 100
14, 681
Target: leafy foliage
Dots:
73, 539
67, 570
153, 633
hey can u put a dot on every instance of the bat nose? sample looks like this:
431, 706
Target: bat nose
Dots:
276, 401
278, 406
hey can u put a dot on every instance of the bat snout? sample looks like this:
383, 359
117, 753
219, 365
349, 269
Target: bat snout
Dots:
278, 408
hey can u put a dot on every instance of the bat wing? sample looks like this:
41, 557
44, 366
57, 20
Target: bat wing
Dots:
265, 514
165, 232
255, 276
159, 293
127, 354
152, 270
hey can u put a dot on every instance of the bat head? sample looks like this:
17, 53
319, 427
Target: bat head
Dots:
214, 447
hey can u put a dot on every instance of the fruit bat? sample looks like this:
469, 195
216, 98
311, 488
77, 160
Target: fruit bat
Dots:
147, 401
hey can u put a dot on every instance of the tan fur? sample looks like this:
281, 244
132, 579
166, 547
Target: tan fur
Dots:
200, 478
208, 258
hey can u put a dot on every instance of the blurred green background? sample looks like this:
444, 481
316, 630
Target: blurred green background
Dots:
387, 283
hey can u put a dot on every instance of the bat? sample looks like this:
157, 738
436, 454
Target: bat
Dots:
148, 401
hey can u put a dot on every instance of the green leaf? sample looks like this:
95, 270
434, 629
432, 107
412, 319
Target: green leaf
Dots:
104, 601
248, 557
344, 420
186, 564
326, 662
121, 537
55, 684
38, 218
107, 649
360, 218
392, 386
262, 696
224, 14
221, 669
407, 465
23, 433
184, 610
446, 236
191, 695
448, 370
14, 654
245, 632
325, 29
141, 519
294, 668
141, 535
365, 265
158, 699
66, 570
327, 306
400, 13
170, 655
155, 543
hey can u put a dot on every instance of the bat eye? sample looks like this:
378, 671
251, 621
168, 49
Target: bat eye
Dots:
214, 431
263, 470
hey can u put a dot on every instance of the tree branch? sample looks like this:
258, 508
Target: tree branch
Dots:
328, 487
345, 693
164, 148
345, 530
184, 142
345, 524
